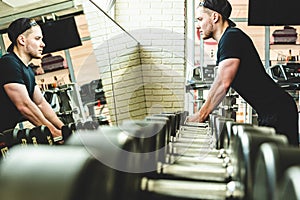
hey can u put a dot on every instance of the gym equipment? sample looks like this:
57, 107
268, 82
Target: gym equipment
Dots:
90, 125
10, 138
48, 172
271, 163
120, 156
173, 123
152, 140
59, 99
289, 187
160, 184
39, 135
224, 168
20, 136
246, 146
209, 136
133, 159
247, 143
67, 130
52, 99
6, 141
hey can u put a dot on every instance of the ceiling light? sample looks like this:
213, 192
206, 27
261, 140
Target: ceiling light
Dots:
19, 3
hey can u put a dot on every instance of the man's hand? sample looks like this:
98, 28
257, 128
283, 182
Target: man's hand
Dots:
194, 118
55, 132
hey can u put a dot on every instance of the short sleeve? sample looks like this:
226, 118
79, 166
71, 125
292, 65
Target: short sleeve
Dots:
10, 71
230, 46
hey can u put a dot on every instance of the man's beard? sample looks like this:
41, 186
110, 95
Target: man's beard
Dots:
35, 56
208, 36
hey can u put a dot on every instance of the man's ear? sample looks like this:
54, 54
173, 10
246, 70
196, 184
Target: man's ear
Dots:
21, 39
215, 17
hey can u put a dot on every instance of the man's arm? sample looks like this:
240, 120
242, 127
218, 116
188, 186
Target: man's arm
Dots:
46, 108
32, 111
227, 70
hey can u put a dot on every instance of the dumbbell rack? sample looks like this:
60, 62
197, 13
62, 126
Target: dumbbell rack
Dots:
160, 157
65, 103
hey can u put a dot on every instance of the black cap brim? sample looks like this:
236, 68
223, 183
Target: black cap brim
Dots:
231, 23
10, 48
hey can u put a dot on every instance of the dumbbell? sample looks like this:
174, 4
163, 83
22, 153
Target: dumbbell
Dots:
202, 166
70, 128
64, 100
188, 139
247, 146
221, 134
39, 135
121, 157
15, 136
195, 160
91, 125
167, 134
124, 159
81, 138
206, 137
271, 164
67, 130
20, 136
156, 136
6, 142
175, 126
289, 187
151, 136
201, 150
47, 172
179, 116
173, 123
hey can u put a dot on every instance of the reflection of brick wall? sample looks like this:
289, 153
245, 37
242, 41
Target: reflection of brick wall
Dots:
163, 80
125, 87
146, 78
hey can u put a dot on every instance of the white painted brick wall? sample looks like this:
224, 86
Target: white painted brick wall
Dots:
149, 78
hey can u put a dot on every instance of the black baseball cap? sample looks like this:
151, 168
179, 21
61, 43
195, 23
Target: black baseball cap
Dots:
18, 27
223, 7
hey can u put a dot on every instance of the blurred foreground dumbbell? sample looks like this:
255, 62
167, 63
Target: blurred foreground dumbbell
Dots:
70, 128
203, 188
48, 173
121, 157
272, 164
289, 187
36, 135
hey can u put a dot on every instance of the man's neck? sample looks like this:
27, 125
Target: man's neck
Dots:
25, 58
220, 31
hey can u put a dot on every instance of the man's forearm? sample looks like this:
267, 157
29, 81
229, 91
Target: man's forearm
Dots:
215, 96
32, 113
50, 115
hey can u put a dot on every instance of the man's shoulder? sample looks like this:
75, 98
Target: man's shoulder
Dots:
234, 33
9, 55
234, 30
9, 58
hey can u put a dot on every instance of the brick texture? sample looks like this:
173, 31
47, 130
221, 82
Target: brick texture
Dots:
144, 77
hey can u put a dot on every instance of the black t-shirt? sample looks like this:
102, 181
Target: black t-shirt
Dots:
252, 82
13, 70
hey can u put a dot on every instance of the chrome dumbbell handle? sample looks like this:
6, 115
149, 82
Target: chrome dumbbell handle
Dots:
193, 189
197, 172
203, 151
196, 160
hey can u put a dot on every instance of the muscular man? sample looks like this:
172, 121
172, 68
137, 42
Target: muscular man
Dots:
20, 97
240, 67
